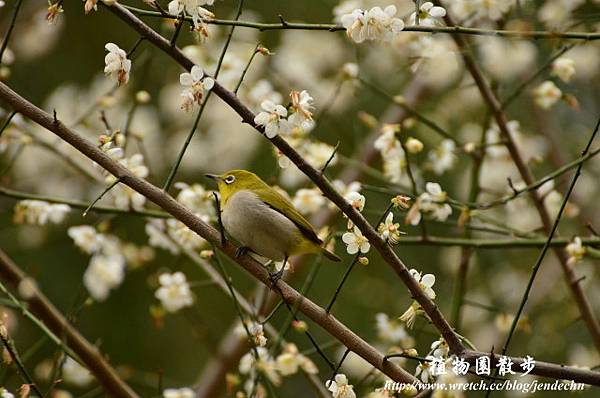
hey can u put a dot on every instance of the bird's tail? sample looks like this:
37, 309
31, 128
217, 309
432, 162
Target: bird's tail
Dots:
330, 255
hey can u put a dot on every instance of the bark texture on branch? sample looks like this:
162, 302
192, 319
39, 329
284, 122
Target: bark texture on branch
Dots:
41, 307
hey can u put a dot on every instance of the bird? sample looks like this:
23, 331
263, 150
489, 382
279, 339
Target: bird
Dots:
263, 221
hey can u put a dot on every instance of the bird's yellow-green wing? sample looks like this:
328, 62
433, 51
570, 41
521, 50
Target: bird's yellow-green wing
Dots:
279, 203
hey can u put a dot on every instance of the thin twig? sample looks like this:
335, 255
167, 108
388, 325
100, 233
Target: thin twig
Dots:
91, 205
454, 30
9, 31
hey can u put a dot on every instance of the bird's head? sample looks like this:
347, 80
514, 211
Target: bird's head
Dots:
234, 181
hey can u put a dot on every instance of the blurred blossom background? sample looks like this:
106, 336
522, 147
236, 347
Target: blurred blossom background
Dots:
127, 281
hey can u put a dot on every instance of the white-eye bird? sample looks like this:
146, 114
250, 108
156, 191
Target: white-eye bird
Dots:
264, 221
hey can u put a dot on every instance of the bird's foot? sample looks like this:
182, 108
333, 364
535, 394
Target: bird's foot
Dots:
274, 277
241, 251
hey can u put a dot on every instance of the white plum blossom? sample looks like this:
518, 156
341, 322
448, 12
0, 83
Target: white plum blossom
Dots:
429, 15
424, 369
85, 237
75, 374
356, 200
265, 364
302, 106
104, 273
258, 335
547, 94
339, 387
38, 212
196, 11
576, 250
194, 85
184, 392
374, 24
174, 292
390, 231
124, 196
425, 282
318, 153
430, 201
443, 157
356, 241
185, 236
308, 200
196, 198
117, 64
272, 118
440, 348
290, 360
563, 68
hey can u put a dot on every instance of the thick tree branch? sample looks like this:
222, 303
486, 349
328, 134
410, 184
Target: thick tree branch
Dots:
170, 205
499, 116
41, 307
318, 179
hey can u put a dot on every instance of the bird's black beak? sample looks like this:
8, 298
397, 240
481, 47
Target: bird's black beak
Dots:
212, 177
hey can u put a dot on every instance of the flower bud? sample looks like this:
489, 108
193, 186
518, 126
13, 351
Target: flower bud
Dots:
413, 145
143, 97
363, 260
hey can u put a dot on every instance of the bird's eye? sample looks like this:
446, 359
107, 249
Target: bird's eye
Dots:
229, 179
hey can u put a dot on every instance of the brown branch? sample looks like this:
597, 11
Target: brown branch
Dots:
170, 205
495, 107
324, 185
545, 369
41, 307
231, 349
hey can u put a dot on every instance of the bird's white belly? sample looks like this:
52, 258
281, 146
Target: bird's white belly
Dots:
257, 226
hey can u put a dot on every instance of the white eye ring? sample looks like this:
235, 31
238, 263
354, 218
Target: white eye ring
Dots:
229, 179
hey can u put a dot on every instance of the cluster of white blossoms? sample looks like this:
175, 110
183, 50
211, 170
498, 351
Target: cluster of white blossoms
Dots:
373, 24
426, 283
198, 13
174, 292
117, 64
339, 387
576, 250
38, 212
431, 201
195, 84
275, 120
172, 234
106, 269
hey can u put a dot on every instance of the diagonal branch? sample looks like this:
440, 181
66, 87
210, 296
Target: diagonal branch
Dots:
318, 179
170, 205
40, 306
495, 107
